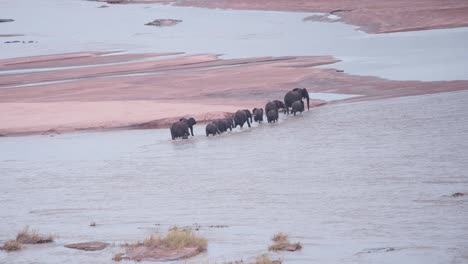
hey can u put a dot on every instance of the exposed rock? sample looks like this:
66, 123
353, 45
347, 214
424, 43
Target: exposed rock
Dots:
19, 41
115, 1
141, 252
377, 250
103, 6
281, 243
457, 194
163, 22
6, 20
88, 246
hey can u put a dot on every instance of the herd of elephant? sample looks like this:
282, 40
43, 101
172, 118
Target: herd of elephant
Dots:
293, 99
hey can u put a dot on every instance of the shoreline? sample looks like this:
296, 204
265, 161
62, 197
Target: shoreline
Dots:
374, 17
153, 90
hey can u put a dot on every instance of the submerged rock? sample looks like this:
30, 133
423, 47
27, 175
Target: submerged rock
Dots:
163, 22
88, 246
457, 194
377, 250
2, 20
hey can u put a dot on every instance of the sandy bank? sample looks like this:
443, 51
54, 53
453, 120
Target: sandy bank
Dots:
155, 93
372, 16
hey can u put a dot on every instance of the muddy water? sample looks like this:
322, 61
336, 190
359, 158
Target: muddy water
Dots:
340, 179
61, 26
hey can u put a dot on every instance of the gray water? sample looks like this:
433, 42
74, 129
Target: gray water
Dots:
61, 26
340, 179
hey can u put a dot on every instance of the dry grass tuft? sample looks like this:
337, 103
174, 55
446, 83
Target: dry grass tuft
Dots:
27, 236
11, 245
281, 243
176, 239
280, 237
263, 259
118, 257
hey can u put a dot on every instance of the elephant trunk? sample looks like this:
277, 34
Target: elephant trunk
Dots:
191, 131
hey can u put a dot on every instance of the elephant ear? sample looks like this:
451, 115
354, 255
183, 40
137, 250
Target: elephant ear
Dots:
191, 121
253, 110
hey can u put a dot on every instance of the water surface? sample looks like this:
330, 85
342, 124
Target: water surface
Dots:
340, 178
61, 26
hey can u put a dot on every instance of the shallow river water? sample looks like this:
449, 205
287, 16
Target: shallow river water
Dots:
341, 179
61, 26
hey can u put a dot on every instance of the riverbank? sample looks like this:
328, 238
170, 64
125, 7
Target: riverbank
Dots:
370, 16
101, 91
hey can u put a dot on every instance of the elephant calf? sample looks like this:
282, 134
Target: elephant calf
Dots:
275, 105
223, 125
272, 116
258, 115
297, 106
212, 129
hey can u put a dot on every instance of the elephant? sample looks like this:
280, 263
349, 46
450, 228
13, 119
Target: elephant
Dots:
258, 115
297, 106
231, 122
190, 122
223, 125
212, 129
275, 104
240, 117
180, 129
272, 116
295, 95
249, 114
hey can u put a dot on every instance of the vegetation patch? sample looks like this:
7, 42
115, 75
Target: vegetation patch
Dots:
11, 245
281, 243
176, 244
264, 259
27, 236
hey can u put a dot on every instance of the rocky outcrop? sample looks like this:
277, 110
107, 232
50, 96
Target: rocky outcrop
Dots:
88, 246
163, 22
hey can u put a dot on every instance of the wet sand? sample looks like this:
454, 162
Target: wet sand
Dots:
154, 93
372, 16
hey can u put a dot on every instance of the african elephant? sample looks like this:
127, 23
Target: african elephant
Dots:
212, 129
249, 114
223, 125
295, 95
190, 122
258, 115
297, 106
231, 122
272, 116
240, 117
180, 129
275, 104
